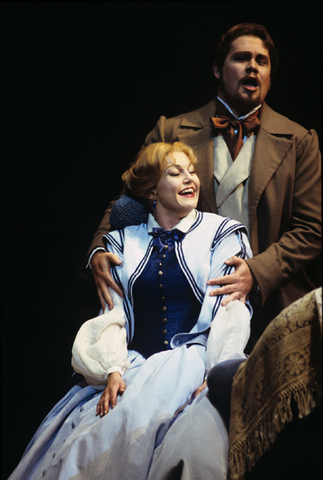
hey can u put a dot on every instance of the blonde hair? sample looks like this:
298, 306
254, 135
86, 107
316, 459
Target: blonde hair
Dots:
145, 172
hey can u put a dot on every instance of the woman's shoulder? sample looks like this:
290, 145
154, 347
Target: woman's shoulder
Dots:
129, 239
130, 231
211, 228
213, 220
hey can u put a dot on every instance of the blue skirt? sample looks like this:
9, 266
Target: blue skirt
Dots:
72, 442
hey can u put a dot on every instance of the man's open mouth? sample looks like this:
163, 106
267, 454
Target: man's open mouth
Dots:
250, 82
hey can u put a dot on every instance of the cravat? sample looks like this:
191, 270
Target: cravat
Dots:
166, 238
226, 124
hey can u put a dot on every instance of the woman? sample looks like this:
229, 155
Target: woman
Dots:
165, 318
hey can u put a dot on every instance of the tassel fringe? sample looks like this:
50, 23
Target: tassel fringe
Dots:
245, 454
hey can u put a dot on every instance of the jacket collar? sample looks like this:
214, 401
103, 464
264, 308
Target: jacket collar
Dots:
183, 225
274, 123
201, 117
271, 121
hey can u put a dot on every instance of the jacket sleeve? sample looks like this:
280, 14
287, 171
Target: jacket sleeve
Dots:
230, 327
100, 346
165, 130
299, 244
97, 242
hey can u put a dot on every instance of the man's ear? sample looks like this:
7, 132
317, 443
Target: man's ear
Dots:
216, 71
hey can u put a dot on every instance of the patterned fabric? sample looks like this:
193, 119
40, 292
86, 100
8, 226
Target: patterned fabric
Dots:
127, 211
286, 363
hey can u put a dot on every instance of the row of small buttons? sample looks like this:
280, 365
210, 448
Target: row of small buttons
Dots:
164, 308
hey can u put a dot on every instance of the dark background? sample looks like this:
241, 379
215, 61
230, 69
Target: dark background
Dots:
83, 84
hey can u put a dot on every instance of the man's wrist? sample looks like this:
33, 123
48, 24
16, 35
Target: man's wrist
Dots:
96, 250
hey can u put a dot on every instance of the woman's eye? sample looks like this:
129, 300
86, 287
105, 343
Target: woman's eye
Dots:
174, 174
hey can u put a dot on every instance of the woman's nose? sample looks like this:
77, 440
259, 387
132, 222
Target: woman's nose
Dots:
188, 177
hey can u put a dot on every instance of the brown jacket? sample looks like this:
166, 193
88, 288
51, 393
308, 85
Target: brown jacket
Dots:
284, 199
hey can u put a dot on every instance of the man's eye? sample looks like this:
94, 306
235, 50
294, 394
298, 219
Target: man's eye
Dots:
240, 58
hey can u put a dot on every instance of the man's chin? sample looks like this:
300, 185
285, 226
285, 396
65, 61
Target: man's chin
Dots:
246, 104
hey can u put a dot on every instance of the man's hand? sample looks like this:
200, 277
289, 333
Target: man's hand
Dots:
115, 385
100, 265
237, 285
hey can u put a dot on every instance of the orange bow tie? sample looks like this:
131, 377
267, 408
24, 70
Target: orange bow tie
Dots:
227, 125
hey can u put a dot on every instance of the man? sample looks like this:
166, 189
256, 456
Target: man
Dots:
255, 166
271, 184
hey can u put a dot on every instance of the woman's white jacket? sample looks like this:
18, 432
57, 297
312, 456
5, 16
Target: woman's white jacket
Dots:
209, 241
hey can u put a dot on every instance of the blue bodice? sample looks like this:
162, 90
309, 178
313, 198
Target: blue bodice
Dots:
164, 304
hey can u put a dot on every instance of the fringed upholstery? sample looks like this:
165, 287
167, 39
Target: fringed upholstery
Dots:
285, 364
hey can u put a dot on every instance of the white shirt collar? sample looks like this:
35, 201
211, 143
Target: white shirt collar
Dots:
243, 116
184, 225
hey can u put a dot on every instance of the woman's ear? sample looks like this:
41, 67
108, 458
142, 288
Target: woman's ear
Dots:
153, 195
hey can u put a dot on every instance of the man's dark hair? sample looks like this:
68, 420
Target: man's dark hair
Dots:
223, 45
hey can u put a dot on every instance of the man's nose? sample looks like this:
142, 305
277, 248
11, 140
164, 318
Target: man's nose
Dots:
252, 66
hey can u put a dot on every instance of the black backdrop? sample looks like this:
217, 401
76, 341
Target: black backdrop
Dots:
84, 82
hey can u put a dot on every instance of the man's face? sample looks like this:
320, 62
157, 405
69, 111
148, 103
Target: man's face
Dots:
245, 77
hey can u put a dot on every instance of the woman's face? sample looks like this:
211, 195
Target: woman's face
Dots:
177, 190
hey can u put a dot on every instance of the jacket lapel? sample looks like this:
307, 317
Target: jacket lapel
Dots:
272, 145
196, 131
